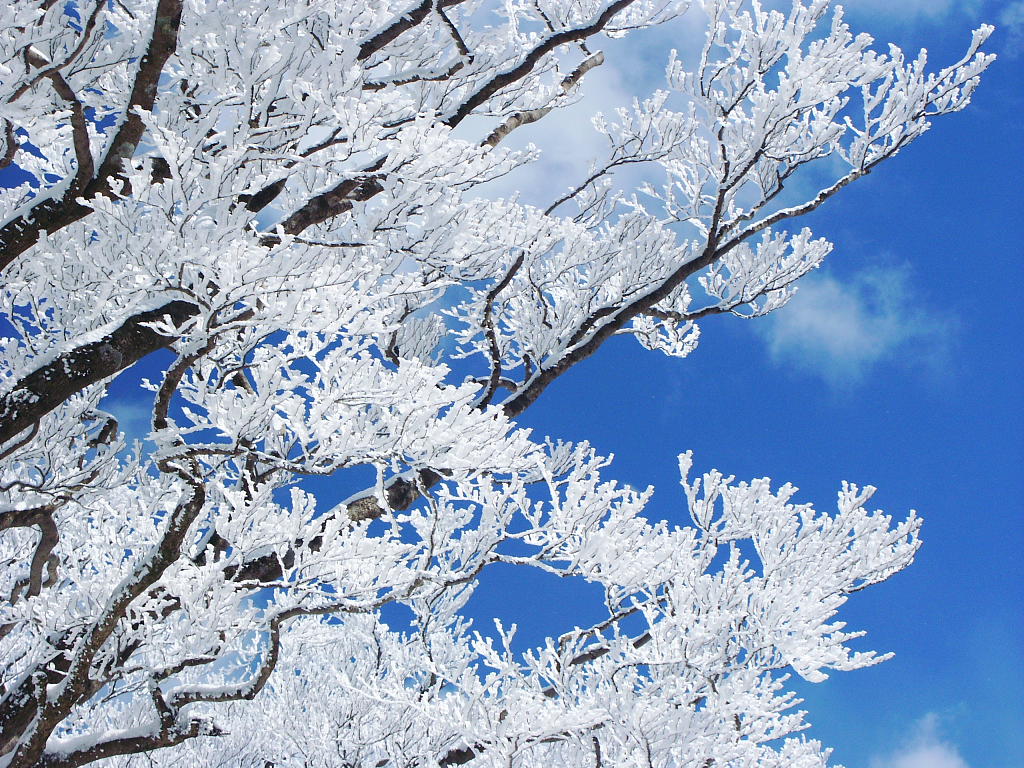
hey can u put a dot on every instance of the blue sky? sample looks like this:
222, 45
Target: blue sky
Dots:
898, 365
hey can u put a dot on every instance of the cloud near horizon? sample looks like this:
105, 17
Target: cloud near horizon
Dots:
840, 330
925, 748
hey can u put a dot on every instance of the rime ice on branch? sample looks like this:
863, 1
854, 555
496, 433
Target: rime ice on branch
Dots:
282, 199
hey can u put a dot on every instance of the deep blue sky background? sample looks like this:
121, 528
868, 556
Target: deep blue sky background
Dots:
898, 366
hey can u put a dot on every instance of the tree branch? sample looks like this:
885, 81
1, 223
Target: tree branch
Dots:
46, 712
47, 387
166, 736
333, 202
50, 214
404, 23
504, 79
533, 115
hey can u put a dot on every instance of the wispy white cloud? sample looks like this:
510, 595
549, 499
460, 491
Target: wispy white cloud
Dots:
1012, 22
133, 415
925, 748
839, 330
566, 139
911, 9
634, 67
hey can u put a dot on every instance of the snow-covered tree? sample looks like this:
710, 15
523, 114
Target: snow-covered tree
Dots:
279, 212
